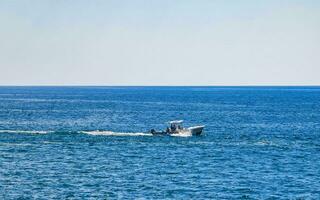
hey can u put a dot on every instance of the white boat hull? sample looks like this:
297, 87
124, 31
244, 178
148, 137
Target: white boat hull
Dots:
176, 129
196, 130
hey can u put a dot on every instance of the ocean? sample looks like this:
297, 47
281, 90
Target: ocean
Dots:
93, 143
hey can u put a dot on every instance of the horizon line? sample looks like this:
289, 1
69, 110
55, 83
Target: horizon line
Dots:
80, 85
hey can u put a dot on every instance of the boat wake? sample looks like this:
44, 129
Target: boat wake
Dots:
111, 133
186, 134
95, 133
25, 131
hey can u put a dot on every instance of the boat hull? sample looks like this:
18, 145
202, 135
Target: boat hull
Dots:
196, 130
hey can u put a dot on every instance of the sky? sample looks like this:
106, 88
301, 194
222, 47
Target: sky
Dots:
159, 42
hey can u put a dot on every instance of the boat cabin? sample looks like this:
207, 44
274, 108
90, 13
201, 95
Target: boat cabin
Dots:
176, 125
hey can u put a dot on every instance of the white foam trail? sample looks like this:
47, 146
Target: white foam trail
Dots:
111, 133
105, 133
186, 134
24, 131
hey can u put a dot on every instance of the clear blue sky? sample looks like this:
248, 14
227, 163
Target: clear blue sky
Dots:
163, 42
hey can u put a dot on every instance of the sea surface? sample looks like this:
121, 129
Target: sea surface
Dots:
93, 143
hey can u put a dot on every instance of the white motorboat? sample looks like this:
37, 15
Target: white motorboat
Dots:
176, 128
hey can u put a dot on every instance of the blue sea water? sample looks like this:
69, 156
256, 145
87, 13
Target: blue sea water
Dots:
91, 143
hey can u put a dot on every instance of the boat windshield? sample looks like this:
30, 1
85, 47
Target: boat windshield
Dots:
176, 125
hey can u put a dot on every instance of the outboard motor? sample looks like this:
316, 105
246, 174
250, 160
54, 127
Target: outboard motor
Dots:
153, 131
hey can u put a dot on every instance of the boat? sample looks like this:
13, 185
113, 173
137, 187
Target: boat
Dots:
176, 128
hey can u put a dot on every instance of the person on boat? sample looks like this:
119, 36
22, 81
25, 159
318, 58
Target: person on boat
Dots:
173, 128
167, 130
